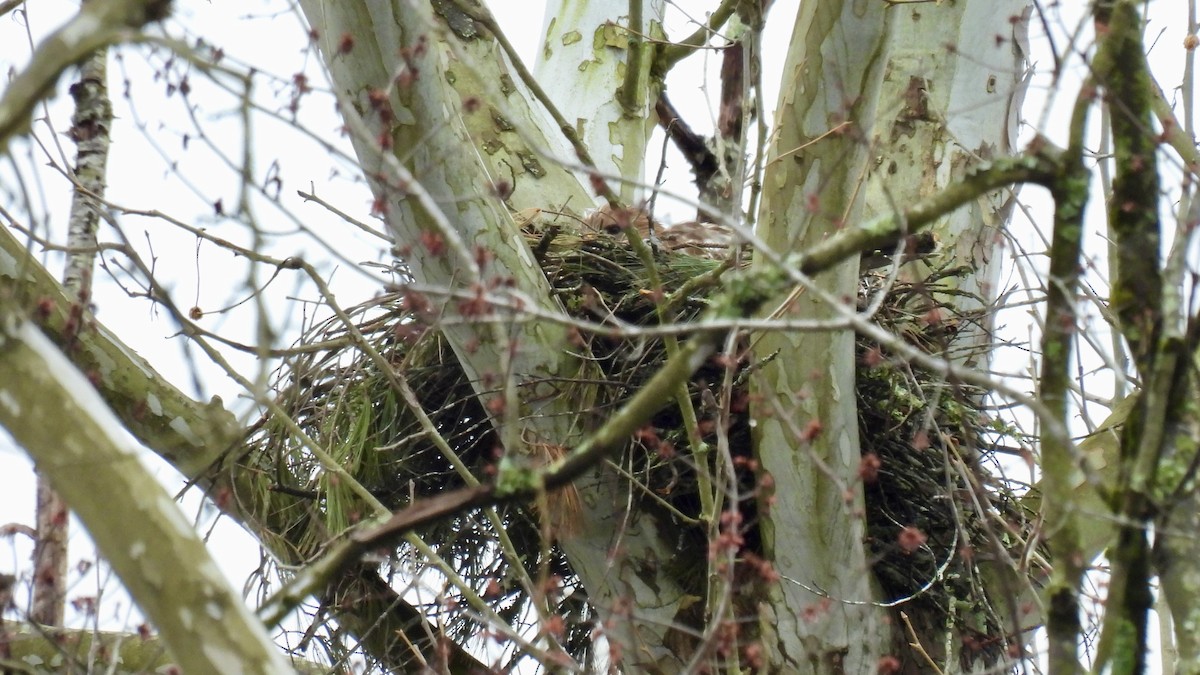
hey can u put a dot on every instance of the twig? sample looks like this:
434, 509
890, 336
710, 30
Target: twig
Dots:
915, 643
670, 54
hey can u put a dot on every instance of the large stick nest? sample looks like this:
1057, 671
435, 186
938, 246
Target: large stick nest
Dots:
925, 442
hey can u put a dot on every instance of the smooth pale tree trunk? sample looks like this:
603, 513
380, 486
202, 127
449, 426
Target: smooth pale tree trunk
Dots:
598, 75
949, 102
417, 97
812, 527
900, 93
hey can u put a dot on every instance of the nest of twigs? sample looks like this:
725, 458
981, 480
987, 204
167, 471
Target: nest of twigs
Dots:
925, 442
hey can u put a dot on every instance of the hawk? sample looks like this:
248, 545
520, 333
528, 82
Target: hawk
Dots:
697, 238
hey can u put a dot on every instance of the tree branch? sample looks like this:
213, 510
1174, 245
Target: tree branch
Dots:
672, 53
162, 562
98, 24
691, 144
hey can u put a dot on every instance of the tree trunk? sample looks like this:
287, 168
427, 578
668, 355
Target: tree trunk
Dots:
595, 66
967, 56
806, 436
90, 131
891, 103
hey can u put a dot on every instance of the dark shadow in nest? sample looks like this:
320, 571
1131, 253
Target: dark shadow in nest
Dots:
920, 514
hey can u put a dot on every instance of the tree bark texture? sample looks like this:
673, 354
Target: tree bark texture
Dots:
812, 522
